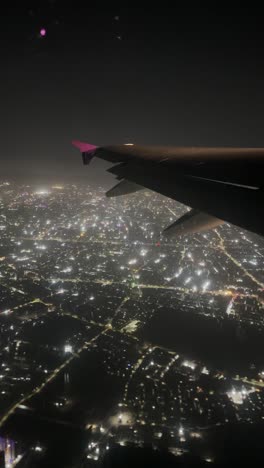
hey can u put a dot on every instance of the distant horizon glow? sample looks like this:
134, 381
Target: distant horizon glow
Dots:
42, 192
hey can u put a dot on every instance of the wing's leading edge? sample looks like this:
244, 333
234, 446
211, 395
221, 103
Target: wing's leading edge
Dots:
218, 183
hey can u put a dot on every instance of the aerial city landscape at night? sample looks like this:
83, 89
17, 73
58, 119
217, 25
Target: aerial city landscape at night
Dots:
131, 235
113, 336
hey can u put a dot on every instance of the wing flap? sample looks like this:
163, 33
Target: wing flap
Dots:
192, 222
123, 188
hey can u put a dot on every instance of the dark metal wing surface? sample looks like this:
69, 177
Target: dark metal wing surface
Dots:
220, 184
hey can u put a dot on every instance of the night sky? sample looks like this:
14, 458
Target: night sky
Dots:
178, 76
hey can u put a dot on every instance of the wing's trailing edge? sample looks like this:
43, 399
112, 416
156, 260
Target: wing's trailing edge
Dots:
123, 188
191, 222
218, 183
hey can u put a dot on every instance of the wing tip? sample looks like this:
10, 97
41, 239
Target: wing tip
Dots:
84, 147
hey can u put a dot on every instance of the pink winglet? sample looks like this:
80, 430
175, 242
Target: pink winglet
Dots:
84, 147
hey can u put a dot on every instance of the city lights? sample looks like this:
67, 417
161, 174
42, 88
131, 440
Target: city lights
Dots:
189, 364
38, 448
68, 348
114, 304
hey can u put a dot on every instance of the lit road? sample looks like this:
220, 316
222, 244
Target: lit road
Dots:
218, 292
49, 379
237, 263
253, 382
172, 212
119, 308
91, 241
20, 306
137, 366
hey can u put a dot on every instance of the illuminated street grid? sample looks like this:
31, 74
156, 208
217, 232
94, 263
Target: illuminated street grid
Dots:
84, 276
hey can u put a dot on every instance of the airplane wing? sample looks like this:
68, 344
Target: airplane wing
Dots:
220, 184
